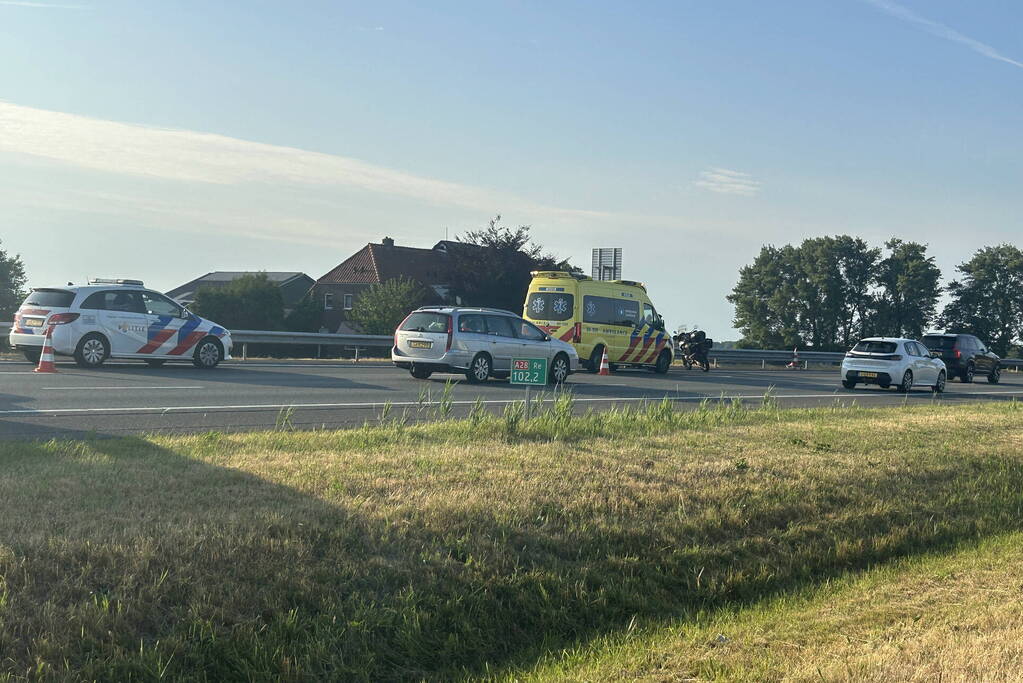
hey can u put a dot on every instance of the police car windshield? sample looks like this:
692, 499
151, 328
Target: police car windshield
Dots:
50, 298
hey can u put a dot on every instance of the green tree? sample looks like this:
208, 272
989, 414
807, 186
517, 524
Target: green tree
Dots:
988, 299
381, 308
12, 284
493, 265
816, 294
306, 316
251, 302
908, 284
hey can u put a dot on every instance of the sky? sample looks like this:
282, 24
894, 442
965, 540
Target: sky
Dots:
162, 140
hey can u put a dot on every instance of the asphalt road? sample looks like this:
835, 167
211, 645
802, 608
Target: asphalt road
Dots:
126, 398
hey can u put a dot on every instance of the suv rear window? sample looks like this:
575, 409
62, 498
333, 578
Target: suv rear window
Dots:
875, 347
426, 322
50, 298
937, 342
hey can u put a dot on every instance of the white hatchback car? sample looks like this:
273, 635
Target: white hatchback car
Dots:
116, 319
884, 361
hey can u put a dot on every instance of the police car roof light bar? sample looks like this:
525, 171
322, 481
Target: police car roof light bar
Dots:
115, 281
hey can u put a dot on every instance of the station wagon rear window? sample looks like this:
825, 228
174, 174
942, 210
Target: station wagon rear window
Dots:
50, 298
875, 347
426, 322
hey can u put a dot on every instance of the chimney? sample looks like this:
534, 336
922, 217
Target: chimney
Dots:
387, 242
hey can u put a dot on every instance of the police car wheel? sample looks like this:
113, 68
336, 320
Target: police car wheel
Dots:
207, 354
32, 355
155, 362
92, 350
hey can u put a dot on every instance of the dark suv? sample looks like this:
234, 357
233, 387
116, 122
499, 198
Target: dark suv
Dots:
965, 356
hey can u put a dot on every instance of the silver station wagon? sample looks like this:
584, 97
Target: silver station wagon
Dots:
477, 342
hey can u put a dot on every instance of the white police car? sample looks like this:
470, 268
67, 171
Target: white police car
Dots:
116, 319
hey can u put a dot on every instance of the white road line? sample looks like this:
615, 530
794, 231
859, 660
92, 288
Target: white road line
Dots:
401, 404
121, 388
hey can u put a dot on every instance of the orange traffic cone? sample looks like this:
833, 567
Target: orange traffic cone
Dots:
605, 367
46, 363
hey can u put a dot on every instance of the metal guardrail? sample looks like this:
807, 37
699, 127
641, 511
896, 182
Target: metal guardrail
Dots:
318, 339
769, 356
368, 341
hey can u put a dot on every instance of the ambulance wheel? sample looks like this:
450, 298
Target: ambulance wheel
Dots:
92, 350
594, 364
32, 355
155, 362
663, 363
207, 354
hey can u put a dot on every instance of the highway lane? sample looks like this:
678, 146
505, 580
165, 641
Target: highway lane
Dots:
124, 398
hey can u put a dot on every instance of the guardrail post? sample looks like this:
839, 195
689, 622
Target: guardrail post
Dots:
245, 351
318, 347
763, 364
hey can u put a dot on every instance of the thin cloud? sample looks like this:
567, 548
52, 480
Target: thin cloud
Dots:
189, 156
726, 181
942, 31
42, 5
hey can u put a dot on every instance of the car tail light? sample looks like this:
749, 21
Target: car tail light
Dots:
62, 318
959, 354
451, 332
577, 333
398, 328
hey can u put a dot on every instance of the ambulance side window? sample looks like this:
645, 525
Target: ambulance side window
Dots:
649, 315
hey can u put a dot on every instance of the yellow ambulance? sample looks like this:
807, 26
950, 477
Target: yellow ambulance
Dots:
594, 315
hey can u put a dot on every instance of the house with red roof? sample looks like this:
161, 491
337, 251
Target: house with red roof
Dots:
338, 290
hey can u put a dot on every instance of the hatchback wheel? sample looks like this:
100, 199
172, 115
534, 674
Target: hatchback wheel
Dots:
559, 370
207, 354
940, 386
995, 376
479, 369
907, 382
848, 384
92, 351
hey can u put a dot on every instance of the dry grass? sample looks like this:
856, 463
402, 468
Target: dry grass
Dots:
463, 548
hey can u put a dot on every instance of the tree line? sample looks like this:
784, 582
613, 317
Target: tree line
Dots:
827, 292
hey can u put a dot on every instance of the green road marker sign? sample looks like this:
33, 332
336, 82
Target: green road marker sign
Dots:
529, 371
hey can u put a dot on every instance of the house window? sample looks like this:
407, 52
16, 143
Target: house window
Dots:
348, 302
328, 301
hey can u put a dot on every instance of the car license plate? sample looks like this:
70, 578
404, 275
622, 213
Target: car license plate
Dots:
420, 344
868, 375
33, 322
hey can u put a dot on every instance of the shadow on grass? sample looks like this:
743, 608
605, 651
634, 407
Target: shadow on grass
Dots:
120, 558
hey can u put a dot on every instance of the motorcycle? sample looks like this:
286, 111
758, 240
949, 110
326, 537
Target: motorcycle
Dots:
693, 349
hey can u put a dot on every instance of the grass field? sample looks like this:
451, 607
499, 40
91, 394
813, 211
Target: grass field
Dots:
722, 543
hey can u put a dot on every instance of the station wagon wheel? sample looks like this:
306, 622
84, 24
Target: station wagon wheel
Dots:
419, 372
559, 370
207, 354
996, 374
907, 382
479, 369
92, 351
939, 388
